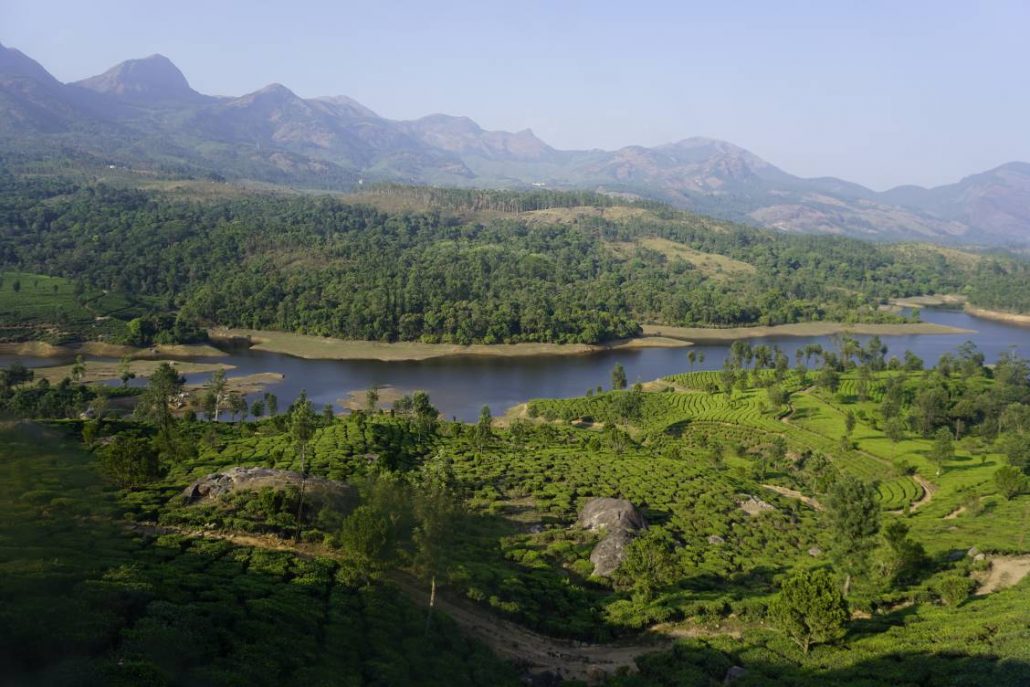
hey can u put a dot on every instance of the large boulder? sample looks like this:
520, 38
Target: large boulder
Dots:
610, 551
620, 521
610, 515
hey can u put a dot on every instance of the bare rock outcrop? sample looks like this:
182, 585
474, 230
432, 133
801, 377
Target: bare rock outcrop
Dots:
753, 505
621, 522
235, 479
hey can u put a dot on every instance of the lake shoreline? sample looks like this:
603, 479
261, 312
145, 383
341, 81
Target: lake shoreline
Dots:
959, 302
1018, 319
654, 336
326, 348
101, 349
310, 347
799, 329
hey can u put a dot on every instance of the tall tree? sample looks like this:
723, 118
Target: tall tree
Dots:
618, 377
125, 372
217, 390
810, 609
435, 512
894, 430
371, 399
854, 518
302, 428
484, 428
942, 450
155, 403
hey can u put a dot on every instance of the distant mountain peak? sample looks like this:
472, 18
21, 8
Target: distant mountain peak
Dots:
149, 80
453, 123
276, 88
146, 108
349, 104
463, 136
15, 63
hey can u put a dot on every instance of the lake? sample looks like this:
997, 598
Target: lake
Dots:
461, 386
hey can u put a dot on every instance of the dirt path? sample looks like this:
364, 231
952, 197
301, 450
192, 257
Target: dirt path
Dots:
1005, 571
794, 494
929, 489
535, 653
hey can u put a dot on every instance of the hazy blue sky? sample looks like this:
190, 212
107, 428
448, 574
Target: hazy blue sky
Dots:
881, 93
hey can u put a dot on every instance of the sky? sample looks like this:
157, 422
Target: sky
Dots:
877, 92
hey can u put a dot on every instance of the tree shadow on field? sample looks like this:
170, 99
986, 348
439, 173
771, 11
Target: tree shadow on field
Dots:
801, 414
696, 662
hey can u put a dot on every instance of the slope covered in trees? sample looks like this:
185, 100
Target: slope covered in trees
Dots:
474, 267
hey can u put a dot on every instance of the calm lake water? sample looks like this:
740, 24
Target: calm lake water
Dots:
461, 386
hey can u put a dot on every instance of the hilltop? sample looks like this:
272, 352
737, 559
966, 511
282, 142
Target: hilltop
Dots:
143, 114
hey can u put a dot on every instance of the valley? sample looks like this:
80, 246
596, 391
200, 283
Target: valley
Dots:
292, 393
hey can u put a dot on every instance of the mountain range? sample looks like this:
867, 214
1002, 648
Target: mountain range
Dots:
144, 115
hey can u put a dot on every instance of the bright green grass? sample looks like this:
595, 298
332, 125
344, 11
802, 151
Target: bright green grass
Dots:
816, 422
38, 306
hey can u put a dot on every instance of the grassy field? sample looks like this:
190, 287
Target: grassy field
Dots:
317, 347
35, 306
708, 264
815, 422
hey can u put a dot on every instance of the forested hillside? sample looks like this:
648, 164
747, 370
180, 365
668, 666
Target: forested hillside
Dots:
471, 267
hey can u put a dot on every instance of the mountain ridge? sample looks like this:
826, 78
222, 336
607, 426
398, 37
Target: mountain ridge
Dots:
143, 111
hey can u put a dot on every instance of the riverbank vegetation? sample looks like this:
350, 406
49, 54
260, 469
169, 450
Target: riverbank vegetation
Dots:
835, 517
478, 267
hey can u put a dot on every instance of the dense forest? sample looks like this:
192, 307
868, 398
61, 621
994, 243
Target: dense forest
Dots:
322, 266
1002, 285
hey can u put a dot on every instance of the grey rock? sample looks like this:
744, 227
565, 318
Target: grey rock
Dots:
815, 552
753, 505
715, 539
972, 552
610, 514
621, 522
610, 551
235, 479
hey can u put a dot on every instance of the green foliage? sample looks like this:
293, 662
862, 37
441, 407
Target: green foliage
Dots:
618, 377
367, 539
649, 564
901, 560
943, 448
954, 589
87, 601
319, 266
1010, 481
130, 462
810, 609
854, 518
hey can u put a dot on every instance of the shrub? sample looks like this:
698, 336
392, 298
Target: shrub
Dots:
953, 589
810, 609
